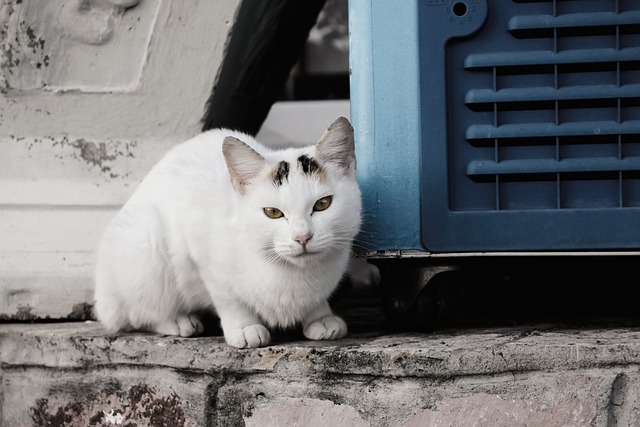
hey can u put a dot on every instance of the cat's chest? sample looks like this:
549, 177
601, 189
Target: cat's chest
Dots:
286, 295
284, 308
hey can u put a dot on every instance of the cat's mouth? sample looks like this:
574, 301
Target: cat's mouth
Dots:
293, 257
305, 254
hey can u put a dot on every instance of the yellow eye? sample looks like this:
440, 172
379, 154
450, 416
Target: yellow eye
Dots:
273, 213
322, 204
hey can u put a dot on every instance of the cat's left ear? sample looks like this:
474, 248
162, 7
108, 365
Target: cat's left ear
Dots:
337, 146
243, 162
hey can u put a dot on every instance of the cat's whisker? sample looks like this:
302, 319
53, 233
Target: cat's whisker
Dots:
365, 212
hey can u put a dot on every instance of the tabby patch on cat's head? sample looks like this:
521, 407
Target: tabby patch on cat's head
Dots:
308, 165
280, 173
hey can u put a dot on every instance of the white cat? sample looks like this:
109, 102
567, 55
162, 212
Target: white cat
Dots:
261, 236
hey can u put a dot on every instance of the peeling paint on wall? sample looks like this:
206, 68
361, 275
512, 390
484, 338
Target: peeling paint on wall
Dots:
22, 50
9, 56
24, 313
93, 153
40, 38
109, 158
102, 155
81, 311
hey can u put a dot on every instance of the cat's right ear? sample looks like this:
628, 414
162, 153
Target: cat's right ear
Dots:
243, 162
337, 146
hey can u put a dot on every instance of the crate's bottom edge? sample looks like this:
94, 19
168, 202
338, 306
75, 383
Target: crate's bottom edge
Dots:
412, 254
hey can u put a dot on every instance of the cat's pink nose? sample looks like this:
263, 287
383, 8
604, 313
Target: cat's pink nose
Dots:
303, 239
301, 231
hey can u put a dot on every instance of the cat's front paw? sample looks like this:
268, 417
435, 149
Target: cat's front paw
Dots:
189, 325
251, 336
326, 328
183, 326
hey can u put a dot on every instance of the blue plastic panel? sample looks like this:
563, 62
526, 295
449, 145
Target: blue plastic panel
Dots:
495, 125
385, 111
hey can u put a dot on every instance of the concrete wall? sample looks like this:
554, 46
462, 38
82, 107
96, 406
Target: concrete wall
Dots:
92, 93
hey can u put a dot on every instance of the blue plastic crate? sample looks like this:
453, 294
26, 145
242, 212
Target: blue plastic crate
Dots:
497, 125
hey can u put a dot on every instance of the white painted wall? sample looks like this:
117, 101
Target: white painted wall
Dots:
89, 101
299, 123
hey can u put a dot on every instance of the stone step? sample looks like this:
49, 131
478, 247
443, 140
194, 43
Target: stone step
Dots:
74, 374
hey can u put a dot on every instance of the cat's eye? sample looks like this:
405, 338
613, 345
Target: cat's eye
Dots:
322, 204
273, 213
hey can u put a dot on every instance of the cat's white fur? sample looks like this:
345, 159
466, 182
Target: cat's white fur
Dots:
194, 236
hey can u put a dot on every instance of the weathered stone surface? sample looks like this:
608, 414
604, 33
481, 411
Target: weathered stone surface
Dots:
300, 412
103, 397
496, 411
539, 376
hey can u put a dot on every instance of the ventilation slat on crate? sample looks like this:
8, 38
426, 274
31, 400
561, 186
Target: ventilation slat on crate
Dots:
541, 130
542, 25
546, 166
478, 61
483, 99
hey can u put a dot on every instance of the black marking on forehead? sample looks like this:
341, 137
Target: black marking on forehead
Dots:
281, 173
308, 164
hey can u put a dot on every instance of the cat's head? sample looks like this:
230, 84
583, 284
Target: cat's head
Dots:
301, 205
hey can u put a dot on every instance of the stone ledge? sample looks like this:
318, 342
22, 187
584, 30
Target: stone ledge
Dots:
437, 355
77, 370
